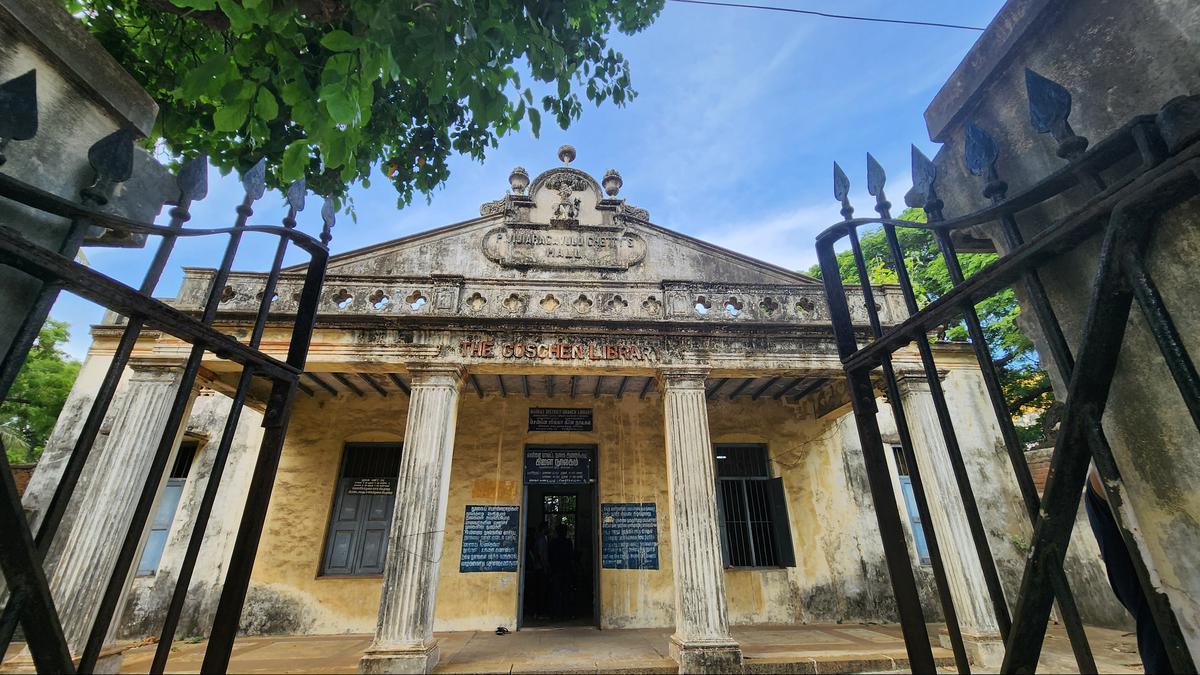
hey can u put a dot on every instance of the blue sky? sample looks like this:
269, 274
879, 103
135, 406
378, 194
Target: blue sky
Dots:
739, 117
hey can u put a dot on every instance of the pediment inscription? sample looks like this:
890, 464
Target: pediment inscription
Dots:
564, 248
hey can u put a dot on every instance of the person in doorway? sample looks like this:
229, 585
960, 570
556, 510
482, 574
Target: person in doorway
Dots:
1121, 576
538, 578
562, 564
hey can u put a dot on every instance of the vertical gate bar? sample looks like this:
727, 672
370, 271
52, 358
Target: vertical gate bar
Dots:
1160, 607
192, 182
970, 505
245, 548
1104, 331
1039, 301
1148, 140
891, 530
220, 458
924, 174
901, 420
73, 470
189, 190
254, 183
1170, 343
1016, 455
22, 568
970, 508
1103, 335
981, 151
203, 512
876, 180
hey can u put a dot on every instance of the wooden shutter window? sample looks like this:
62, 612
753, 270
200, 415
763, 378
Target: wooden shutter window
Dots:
356, 544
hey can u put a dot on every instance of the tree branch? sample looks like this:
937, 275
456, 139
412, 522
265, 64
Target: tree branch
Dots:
321, 11
1004, 360
1028, 397
212, 18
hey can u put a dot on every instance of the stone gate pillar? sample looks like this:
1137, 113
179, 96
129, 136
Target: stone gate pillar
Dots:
980, 633
701, 643
404, 634
86, 551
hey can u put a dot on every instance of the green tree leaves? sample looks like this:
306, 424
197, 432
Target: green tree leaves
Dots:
343, 86
1026, 386
340, 41
28, 414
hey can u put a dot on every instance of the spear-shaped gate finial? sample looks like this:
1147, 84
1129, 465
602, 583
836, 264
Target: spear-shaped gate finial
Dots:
328, 218
841, 191
1049, 108
18, 110
876, 179
923, 193
980, 156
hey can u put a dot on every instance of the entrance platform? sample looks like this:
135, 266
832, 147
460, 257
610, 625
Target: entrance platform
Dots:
844, 648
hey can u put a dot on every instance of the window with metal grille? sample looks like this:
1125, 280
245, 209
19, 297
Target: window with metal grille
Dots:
752, 509
164, 514
910, 505
362, 510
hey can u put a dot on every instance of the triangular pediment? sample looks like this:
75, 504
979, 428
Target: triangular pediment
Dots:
488, 248
569, 228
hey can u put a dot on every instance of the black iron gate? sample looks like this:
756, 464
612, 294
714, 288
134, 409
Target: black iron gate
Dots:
30, 603
1147, 167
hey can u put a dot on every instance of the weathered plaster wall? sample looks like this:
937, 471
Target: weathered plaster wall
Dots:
1118, 59
839, 573
148, 596
487, 469
287, 595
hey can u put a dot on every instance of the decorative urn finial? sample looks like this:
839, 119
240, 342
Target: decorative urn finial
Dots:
518, 180
566, 153
612, 182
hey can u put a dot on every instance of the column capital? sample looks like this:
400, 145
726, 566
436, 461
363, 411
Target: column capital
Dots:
425, 373
912, 381
682, 377
151, 366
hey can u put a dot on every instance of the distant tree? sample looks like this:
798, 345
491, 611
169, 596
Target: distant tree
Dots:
36, 398
328, 88
1026, 386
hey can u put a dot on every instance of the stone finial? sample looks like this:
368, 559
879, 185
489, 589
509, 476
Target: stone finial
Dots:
518, 180
612, 182
566, 153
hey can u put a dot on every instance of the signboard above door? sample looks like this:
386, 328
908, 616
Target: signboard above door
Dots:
560, 419
553, 466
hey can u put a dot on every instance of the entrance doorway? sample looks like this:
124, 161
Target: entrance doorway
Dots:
558, 571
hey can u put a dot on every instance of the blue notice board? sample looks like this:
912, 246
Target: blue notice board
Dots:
489, 539
629, 536
548, 466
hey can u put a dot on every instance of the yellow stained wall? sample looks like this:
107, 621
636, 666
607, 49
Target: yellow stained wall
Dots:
487, 469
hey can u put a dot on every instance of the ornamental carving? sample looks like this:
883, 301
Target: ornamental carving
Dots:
492, 208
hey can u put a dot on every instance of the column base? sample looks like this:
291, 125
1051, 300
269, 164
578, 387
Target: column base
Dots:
985, 650
384, 659
706, 657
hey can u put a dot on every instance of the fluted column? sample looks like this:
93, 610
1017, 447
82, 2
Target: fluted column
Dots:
701, 642
404, 633
89, 550
963, 572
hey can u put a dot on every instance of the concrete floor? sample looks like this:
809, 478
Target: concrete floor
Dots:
767, 649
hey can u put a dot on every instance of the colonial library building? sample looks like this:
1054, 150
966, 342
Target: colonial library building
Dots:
555, 413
